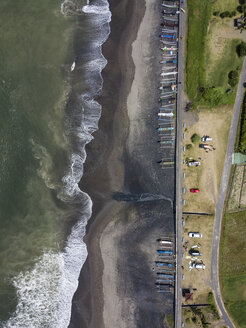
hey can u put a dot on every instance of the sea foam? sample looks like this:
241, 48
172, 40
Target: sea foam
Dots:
45, 293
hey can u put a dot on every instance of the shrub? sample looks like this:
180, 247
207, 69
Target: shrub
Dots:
242, 2
195, 138
239, 9
242, 136
241, 49
212, 305
216, 13
189, 146
222, 15
233, 78
211, 96
233, 82
233, 13
233, 74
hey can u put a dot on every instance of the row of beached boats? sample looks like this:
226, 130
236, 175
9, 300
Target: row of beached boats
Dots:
169, 38
165, 265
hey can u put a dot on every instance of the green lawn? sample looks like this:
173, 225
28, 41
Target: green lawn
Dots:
229, 61
234, 293
223, 5
198, 20
206, 86
233, 266
234, 230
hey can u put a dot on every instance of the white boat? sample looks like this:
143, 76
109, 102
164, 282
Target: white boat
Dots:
168, 73
166, 114
73, 66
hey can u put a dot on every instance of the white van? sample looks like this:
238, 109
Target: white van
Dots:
195, 235
206, 138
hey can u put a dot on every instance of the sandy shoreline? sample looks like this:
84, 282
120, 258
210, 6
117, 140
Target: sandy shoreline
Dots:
116, 285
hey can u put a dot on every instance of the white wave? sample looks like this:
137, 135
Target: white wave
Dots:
101, 8
45, 293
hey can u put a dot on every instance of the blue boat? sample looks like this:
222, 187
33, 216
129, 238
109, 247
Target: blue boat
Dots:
167, 36
164, 264
169, 276
169, 61
165, 252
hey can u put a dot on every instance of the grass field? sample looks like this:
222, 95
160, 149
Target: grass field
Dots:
199, 11
233, 266
217, 75
211, 52
223, 5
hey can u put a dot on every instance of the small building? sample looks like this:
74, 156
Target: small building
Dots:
238, 158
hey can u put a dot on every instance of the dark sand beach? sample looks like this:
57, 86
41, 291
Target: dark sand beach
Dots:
117, 284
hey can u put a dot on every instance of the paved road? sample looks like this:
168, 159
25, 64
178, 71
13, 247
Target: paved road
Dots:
179, 135
221, 199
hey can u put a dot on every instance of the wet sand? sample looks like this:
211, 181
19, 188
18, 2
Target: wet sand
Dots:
117, 284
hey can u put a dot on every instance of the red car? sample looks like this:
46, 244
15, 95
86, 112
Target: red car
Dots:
194, 190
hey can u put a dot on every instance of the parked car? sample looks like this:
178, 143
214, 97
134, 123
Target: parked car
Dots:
193, 163
195, 235
206, 138
194, 190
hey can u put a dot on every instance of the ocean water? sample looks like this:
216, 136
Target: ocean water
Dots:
48, 114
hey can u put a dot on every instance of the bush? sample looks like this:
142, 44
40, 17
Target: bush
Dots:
189, 146
239, 9
212, 305
216, 13
225, 14
211, 96
241, 49
242, 2
233, 74
233, 78
233, 13
233, 82
242, 136
195, 138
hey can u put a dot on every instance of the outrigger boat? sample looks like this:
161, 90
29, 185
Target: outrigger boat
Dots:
167, 101
169, 61
163, 138
167, 109
166, 275
170, 12
165, 142
168, 43
168, 82
167, 36
168, 73
168, 68
166, 129
165, 30
169, 24
172, 86
169, 56
169, 6
166, 114
170, 19
169, 48
166, 106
